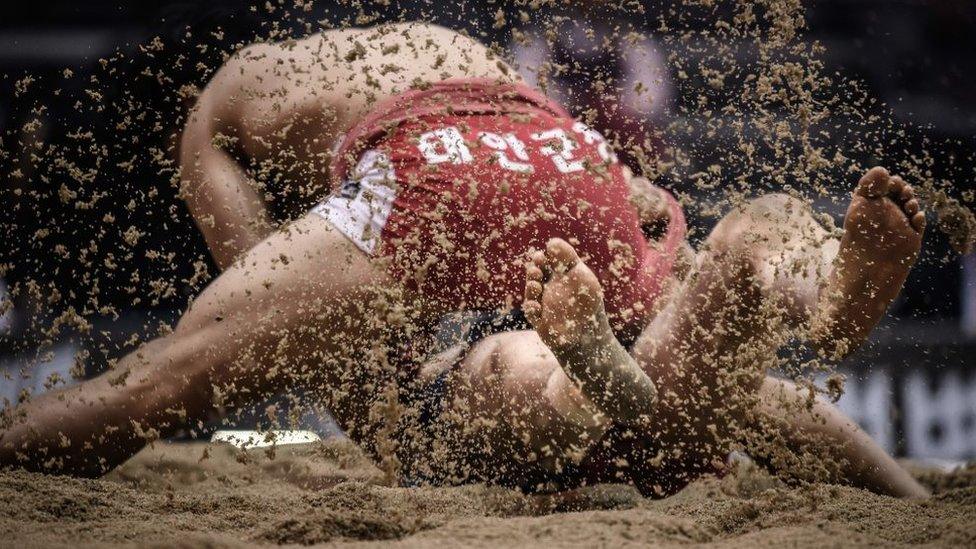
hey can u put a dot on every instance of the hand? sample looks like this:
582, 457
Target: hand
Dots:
651, 203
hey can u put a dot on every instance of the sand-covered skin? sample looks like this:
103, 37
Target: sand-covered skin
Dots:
776, 111
328, 493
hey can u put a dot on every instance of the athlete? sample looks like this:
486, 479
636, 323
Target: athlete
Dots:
445, 171
444, 174
765, 268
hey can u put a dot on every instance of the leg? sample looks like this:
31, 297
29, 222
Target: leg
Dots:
806, 424
279, 316
690, 350
767, 269
511, 413
519, 415
564, 301
760, 274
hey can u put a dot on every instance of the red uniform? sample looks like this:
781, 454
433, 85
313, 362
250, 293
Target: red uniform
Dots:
456, 183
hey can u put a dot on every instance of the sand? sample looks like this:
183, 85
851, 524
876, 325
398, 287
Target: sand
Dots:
178, 494
328, 493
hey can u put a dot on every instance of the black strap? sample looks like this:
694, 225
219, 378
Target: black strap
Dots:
488, 323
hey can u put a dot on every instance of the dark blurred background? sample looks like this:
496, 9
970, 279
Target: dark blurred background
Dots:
84, 135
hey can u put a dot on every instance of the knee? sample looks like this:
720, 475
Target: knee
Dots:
773, 205
483, 362
762, 222
510, 359
752, 232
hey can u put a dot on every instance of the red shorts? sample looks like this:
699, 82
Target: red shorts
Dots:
457, 183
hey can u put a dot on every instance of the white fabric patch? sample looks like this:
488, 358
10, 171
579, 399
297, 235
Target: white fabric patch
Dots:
360, 208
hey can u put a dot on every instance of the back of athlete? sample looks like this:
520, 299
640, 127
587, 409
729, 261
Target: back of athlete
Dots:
294, 305
459, 181
279, 108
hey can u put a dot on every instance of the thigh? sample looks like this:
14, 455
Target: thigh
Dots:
516, 410
307, 262
706, 350
304, 307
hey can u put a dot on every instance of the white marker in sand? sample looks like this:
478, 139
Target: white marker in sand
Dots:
260, 439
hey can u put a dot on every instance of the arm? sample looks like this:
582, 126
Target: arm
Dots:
224, 202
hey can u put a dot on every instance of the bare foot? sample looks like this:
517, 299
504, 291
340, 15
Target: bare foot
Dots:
882, 237
564, 303
563, 298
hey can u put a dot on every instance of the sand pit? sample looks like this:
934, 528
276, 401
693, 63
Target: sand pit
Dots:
739, 103
327, 493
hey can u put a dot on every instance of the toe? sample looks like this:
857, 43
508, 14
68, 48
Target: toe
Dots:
533, 273
911, 208
561, 255
918, 222
906, 192
533, 291
874, 184
896, 186
532, 311
538, 260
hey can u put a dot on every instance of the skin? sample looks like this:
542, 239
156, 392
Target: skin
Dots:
286, 104
882, 237
296, 297
291, 300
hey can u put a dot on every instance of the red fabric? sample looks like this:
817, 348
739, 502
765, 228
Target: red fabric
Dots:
460, 232
455, 96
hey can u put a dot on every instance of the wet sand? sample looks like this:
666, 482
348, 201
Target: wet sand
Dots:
328, 493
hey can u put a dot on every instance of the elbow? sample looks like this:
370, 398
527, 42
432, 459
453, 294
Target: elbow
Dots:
195, 147
195, 137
